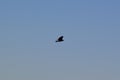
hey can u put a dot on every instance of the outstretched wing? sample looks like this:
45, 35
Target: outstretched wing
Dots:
60, 38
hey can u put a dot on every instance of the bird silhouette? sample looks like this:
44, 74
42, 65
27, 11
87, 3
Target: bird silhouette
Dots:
60, 39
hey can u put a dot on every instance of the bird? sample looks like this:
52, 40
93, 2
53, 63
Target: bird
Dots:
60, 39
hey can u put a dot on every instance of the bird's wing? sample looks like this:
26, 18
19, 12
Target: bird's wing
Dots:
60, 38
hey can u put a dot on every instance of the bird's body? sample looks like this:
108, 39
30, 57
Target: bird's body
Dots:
60, 39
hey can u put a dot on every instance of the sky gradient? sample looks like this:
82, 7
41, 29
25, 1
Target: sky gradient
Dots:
29, 28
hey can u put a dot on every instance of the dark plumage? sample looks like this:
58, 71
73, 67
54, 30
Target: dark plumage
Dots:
60, 39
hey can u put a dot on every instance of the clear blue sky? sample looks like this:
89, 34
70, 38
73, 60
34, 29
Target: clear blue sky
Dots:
29, 28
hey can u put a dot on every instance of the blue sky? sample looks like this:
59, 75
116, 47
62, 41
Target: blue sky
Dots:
29, 28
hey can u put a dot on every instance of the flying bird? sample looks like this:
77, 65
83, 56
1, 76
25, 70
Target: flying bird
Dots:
60, 39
